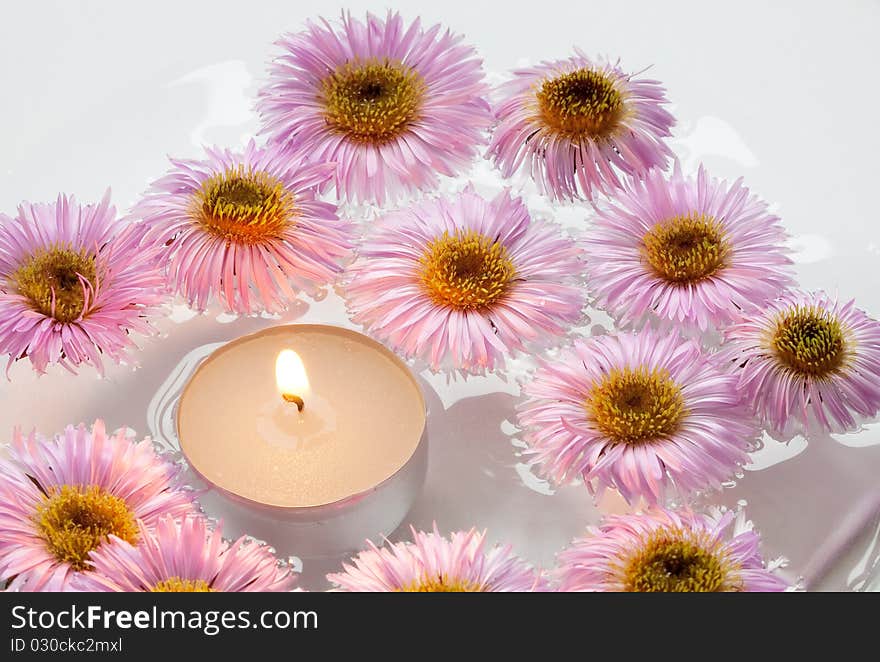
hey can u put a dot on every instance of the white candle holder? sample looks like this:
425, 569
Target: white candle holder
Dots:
328, 530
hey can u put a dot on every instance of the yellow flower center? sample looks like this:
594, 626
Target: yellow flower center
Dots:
178, 585
244, 206
581, 104
635, 406
674, 561
686, 249
372, 101
52, 281
466, 270
442, 584
809, 341
74, 520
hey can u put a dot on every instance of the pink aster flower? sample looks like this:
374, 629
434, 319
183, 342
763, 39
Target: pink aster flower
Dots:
75, 283
393, 105
807, 363
577, 125
435, 564
463, 282
638, 412
670, 551
63, 498
692, 252
185, 556
247, 227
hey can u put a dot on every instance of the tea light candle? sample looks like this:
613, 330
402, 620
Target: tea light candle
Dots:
310, 437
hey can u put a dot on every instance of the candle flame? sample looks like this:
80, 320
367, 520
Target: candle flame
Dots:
290, 375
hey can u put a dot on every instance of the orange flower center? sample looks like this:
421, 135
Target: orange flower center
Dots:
810, 341
581, 104
244, 206
56, 282
372, 101
178, 585
636, 406
686, 249
677, 562
442, 584
75, 520
466, 270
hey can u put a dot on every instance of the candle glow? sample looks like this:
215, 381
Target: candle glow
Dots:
291, 378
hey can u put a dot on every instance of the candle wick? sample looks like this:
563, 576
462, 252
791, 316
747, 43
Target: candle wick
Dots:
298, 401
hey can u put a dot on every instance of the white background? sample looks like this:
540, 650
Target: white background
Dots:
95, 94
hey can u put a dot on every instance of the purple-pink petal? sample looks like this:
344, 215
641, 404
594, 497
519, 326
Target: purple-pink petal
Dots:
248, 278
463, 559
708, 447
598, 560
756, 270
129, 470
564, 167
452, 121
789, 403
129, 290
189, 550
384, 291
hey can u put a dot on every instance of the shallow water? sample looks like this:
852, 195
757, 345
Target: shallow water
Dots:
103, 105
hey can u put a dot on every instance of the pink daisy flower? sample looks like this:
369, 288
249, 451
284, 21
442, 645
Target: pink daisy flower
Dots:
464, 282
434, 564
578, 124
638, 412
61, 499
393, 105
807, 363
75, 283
247, 227
186, 556
686, 251
670, 551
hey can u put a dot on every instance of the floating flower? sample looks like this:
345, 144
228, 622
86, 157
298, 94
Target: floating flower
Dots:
807, 363
687, 251
243, 224
669, 551
392, 105
638, 412
435, 564
463, 282
75, 283
578, 124
62, 499
184, 557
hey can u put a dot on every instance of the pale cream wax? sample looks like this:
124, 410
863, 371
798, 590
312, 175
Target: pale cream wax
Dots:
363, 418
